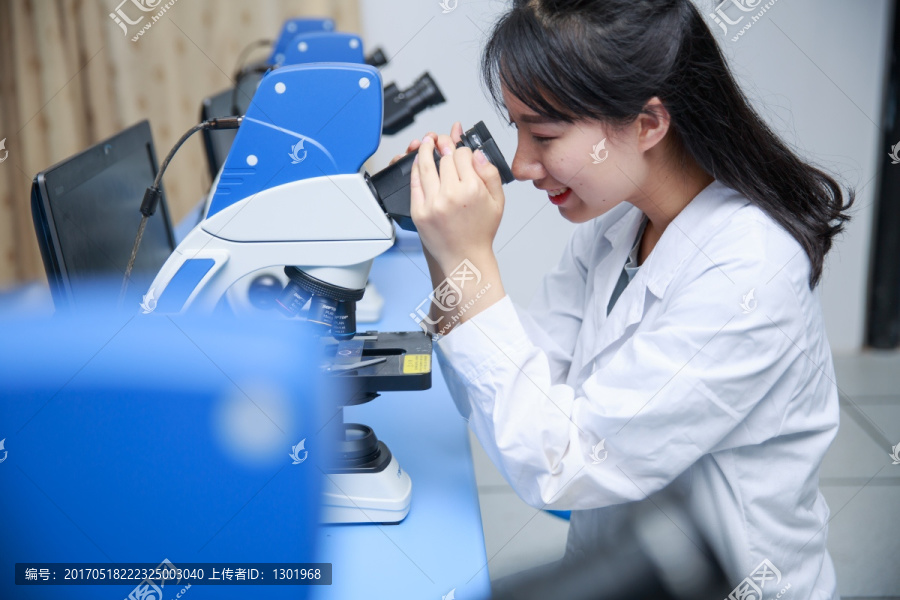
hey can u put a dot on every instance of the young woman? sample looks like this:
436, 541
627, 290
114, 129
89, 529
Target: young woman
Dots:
679, 342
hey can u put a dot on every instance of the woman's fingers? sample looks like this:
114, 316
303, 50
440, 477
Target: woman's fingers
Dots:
448, 201
426, 170
445, 145
414, 145
456, 132
457, 166
462, 160
449, 175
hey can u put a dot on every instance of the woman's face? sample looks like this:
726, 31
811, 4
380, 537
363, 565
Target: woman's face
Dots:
584, 170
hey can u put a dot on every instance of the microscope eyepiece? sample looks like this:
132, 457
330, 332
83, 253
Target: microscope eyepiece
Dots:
479, 138
401, 106
391, 185
377, 58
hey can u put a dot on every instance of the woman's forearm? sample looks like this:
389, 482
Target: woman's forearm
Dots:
466, 290
437, 277
437, 274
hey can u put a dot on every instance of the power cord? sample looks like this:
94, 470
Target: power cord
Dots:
239, 78
243, 70
154, 193
242, 56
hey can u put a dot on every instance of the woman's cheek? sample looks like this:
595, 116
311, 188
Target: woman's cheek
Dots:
593, 186
564, 168
579, 173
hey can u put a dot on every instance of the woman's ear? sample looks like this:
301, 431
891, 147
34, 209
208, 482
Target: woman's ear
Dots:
652, 124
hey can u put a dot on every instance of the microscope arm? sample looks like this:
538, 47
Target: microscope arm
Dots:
331, 226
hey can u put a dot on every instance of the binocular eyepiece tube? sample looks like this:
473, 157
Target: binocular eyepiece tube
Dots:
401, 106
391, 185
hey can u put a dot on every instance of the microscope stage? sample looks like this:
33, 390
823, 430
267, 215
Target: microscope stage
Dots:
382, 361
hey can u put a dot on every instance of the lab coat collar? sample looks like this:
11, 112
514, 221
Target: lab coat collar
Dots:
685, 235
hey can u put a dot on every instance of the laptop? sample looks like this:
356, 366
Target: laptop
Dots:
86, 212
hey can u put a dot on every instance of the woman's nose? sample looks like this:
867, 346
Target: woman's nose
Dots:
525, 168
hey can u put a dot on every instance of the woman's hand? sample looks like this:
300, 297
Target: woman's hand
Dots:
458, 211
469, 199
414, 145
437, 275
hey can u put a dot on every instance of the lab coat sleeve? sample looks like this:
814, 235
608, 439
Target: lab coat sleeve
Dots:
553, 318
674, 391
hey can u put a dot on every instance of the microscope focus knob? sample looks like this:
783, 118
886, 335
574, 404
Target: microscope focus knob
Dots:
263, 291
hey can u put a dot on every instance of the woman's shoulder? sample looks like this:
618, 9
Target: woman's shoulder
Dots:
725, 244
752, 236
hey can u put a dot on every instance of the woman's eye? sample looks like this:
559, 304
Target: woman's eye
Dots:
541, 140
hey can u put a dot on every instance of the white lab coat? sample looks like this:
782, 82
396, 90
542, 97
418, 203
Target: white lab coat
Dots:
689, 377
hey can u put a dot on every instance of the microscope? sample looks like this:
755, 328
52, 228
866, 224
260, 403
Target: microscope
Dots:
292, 194
315, 40
304, 41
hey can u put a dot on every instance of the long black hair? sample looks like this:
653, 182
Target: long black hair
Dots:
568, 60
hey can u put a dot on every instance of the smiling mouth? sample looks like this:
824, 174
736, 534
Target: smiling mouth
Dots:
560, 195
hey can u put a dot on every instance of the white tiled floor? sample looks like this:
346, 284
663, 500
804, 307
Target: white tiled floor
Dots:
859, 482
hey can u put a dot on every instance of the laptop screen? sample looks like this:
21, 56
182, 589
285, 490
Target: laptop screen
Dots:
90, 204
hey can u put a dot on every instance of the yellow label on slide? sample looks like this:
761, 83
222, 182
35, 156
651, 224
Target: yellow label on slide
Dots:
417, 363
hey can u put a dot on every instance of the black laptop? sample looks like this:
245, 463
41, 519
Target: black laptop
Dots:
86, 212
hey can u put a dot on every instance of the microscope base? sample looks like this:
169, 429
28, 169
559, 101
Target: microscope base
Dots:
382, 497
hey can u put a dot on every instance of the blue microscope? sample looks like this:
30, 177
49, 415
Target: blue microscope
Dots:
304, 41
307, 40
292, 195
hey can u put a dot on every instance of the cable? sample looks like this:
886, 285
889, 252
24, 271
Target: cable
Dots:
241, 70
242, 56
243, 74
154, 193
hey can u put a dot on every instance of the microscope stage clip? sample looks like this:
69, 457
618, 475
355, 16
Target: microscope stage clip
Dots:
357, 365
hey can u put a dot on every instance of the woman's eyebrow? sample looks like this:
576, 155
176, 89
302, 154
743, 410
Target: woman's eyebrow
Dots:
536, 119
